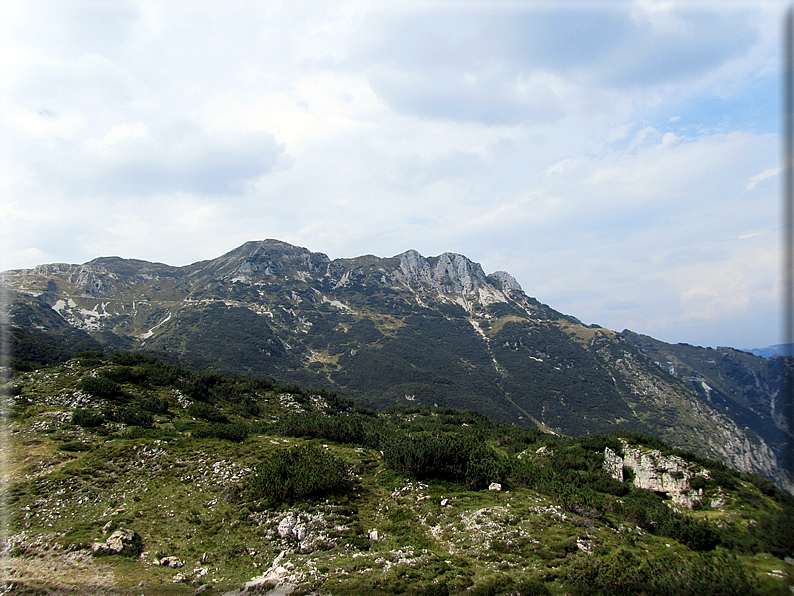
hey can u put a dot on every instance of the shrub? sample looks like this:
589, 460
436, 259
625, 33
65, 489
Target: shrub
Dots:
75, 446
207, 412
134, 417
446, 456
155, 404
298, 472
126, 374
625, 573
89, 358
648, 511
101, 387
341, 429
235, 431
87, 418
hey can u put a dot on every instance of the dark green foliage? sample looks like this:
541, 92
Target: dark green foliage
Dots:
573, 475
604, 483
233, 337
648, 511
340, 428
531, 588
557, 380
87, 418
101, 387
207, 412
776, 532
75, 446
234, 431
134, 359
517, 439
156, 405
505, 586
126, 374
196, 388
89, 358
625, 573
446, 456
298, 472
772, 534
133, 417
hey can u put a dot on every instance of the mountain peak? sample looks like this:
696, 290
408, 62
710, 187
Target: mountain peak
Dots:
449, 272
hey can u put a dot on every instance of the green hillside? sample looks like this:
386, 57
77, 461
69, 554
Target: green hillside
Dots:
237, 480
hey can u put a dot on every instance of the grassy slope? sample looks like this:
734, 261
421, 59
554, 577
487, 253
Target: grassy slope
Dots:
186, 497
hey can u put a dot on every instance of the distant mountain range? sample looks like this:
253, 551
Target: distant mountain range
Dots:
776, 350
434, 331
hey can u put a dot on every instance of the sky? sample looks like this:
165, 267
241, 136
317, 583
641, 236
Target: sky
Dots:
620, 159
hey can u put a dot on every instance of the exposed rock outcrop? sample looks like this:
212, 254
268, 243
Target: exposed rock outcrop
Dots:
654, 471
123, 542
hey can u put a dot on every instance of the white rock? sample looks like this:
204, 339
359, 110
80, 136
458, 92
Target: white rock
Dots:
172, 562
495, 486
299, 531
656, 472
286, 526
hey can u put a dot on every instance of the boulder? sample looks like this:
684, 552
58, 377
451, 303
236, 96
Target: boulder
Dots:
123, 542
495, 486
286, 526
171, 562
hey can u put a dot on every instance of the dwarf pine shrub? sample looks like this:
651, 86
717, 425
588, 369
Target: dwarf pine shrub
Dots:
298, 472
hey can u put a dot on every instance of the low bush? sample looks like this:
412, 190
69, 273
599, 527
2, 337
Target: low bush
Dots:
101, 387
452, 457
157, 405
234, 431
134, 417
126, 374
625, 573
341, 429
87, 418
648, 511
296, 473
207, 412
74, 446
139, 432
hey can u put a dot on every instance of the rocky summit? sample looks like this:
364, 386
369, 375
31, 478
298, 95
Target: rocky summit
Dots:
413, 330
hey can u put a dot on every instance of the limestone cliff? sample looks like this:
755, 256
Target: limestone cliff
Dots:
654, 471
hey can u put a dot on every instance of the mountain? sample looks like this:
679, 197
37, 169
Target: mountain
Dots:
776, 350
433, 331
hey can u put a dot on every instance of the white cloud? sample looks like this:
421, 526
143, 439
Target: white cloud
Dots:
585, 148
768, 173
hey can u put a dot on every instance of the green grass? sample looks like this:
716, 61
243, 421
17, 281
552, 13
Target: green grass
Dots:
192, 498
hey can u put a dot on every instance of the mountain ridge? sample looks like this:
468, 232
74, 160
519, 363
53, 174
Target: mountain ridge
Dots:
434, 331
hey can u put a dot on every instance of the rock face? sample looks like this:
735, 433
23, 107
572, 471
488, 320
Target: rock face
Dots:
447, 273
123, 542
654, 471
304, 531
